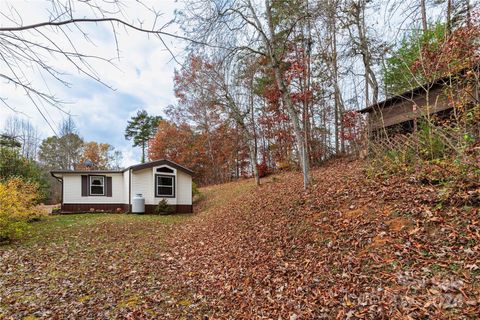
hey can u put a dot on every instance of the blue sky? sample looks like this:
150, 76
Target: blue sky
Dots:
141, 79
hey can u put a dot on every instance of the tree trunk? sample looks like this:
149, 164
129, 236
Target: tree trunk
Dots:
248, 137
469, 13
423, 9
335, 81
308, 110
367, 90
338, 101
286, 99
449, 16
337, 93
253, 149
365, 51
272, 49
296, 124
253, 159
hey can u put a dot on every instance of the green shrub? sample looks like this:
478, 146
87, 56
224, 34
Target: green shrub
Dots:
164, 208
439, 152
195, 191
13, 164
197, 196
18, 200
432, 146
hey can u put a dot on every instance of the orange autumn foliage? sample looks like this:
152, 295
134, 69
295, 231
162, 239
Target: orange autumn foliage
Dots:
98, 154
459, 50
213, 156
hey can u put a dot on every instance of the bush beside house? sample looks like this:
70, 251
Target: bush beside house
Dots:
18, 200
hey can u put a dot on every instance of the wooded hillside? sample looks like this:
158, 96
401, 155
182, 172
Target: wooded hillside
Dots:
350, 248
276, 85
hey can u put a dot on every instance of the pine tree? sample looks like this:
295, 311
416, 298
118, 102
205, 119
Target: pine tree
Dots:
142, 128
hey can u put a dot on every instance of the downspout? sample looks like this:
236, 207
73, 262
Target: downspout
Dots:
129, 190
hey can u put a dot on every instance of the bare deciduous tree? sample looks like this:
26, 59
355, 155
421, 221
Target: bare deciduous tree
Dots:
25, 133
28, 46
261, 36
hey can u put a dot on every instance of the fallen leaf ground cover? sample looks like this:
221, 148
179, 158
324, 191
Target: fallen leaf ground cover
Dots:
85, 266
350, 248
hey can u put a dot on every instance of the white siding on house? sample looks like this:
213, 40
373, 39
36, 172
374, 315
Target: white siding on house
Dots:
184, 188
143, 181
72, 190
126, 183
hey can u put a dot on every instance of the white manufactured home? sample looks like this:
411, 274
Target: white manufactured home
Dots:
115, 190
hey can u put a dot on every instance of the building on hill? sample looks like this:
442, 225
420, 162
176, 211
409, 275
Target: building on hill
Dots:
115, 190
397, 114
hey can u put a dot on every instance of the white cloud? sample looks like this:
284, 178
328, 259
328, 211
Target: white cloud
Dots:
142, 78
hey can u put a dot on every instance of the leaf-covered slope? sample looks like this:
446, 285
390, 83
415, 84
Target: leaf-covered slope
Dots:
349, 248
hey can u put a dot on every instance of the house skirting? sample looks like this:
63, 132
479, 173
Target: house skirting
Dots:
117, 207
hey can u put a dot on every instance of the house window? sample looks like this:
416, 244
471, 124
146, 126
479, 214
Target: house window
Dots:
165, 169
164, 186
97, 185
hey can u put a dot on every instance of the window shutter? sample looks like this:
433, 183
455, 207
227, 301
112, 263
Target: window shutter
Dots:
109, 186
84, 186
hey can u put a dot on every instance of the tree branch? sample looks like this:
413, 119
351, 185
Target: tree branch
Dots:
96, 20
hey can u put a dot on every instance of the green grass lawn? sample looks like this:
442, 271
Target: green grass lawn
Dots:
63, 227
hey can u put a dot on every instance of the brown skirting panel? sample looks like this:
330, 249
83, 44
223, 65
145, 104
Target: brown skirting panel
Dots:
94, 207
184, 208
117, 207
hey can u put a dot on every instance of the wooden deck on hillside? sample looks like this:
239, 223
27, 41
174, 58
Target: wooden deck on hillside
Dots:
420, 102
